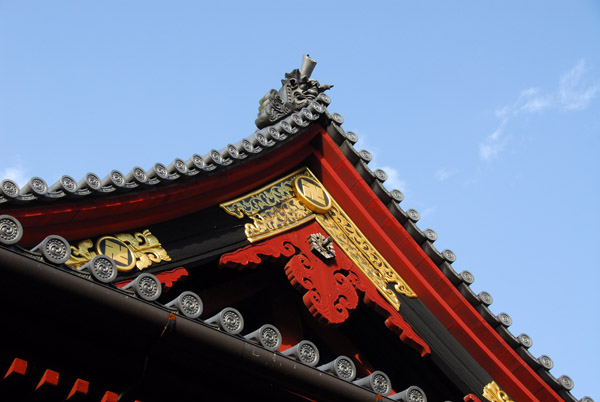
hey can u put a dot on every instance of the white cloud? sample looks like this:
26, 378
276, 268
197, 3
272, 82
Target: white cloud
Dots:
535, 103
573, 93
444, 173
393, 181
15, 173
502, 112
494, 143
364, 142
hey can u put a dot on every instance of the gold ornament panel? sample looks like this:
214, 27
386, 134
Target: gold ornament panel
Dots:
278, 207
140, 250
289, 214
263, 198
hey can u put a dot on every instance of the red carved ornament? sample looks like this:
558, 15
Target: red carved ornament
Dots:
330, 290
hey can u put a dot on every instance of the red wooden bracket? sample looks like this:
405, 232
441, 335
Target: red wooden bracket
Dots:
331, 290
109, 397
49, 378
79, 389
18, 366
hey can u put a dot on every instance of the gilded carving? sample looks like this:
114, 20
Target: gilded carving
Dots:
493, 393
358, 255
382, 268
285, 204
81, 254
289, 214
140, 250
263, 198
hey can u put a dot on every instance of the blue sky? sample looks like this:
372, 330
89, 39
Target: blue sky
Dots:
485, 114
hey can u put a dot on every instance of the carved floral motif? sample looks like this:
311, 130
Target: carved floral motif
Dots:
81, 253
271, 221
493, 393
328, 293
364, 255
146, 248
261, 199
143, 246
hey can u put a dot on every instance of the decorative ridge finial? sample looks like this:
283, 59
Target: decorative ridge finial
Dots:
297, 91
308, 65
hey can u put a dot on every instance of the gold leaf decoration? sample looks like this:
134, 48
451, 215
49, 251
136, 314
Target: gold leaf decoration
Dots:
380, 265
493, 393
261, 199
276, 208
81, 254
289, 214
143, 246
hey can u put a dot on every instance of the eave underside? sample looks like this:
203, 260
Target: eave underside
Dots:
139, 349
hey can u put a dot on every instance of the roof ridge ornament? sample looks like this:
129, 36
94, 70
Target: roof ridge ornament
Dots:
297, 91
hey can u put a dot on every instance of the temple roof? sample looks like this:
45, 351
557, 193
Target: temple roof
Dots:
287, 121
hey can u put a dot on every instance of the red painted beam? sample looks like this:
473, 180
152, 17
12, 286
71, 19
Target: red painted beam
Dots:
373, 218
87, 218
